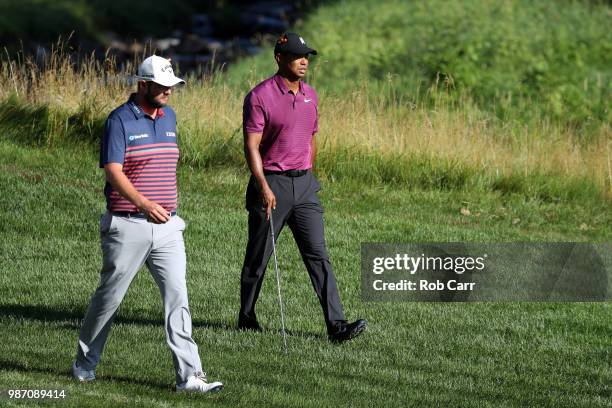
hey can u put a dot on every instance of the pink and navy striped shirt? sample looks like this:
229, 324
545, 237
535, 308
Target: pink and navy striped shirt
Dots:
148, 150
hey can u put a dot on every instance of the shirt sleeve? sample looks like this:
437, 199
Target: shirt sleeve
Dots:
253, 117
112, 146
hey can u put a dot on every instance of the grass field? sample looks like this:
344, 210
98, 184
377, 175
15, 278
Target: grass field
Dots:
433, 109
413, 354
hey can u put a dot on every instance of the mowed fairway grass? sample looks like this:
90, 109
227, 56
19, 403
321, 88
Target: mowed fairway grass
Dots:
412, 354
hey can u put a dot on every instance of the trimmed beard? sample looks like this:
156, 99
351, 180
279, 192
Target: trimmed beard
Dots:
150, 100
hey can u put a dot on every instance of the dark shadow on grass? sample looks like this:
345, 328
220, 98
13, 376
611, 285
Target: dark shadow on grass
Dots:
73, 318
21, 367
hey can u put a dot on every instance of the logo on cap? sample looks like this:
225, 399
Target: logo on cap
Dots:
159, 70
302, 41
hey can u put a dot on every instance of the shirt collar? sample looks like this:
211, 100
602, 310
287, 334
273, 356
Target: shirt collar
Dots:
138, 111
282, 85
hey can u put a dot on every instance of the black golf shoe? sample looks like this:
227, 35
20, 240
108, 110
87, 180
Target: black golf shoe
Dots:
348, 331
252, 325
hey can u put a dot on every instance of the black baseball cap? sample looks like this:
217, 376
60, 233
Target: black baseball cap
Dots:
292, 43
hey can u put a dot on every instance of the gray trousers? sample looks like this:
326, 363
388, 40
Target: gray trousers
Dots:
127, 244
298, 206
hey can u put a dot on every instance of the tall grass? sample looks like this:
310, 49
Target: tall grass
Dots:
364, 135
521, 59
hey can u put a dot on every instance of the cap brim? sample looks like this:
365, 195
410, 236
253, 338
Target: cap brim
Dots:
170, 82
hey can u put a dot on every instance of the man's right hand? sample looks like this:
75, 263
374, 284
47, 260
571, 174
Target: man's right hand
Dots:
154, 212
268, 199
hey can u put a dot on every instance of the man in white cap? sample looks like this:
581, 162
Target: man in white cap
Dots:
139, 153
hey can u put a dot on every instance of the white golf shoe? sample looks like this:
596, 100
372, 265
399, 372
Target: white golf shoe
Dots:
199, 383
81, 374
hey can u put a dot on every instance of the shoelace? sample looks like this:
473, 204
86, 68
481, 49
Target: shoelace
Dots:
202, 376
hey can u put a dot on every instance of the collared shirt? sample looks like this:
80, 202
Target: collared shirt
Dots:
147, 148
286, 121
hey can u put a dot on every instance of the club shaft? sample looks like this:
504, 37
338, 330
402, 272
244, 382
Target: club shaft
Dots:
278, 284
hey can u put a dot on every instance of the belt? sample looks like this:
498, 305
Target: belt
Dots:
288, 173
127, 214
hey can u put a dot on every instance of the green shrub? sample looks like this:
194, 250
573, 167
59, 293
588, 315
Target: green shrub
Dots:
516, 57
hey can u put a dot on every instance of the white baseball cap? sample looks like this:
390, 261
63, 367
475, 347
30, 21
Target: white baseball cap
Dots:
158, 70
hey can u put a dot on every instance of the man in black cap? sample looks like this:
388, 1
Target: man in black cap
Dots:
280, 122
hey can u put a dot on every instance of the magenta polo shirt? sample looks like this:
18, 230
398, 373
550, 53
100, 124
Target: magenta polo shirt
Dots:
286, 121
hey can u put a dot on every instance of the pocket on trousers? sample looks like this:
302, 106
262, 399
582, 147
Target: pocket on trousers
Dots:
107, 222
253, 196
317, 185
314, 200
182, 225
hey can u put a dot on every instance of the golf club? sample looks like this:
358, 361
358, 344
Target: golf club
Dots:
280, 299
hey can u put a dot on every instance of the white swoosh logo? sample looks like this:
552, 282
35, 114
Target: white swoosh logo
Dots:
307, 100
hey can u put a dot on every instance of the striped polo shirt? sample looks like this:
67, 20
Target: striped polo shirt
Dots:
287, 122
147, 148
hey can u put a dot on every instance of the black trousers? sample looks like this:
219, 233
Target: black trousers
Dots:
298, 206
